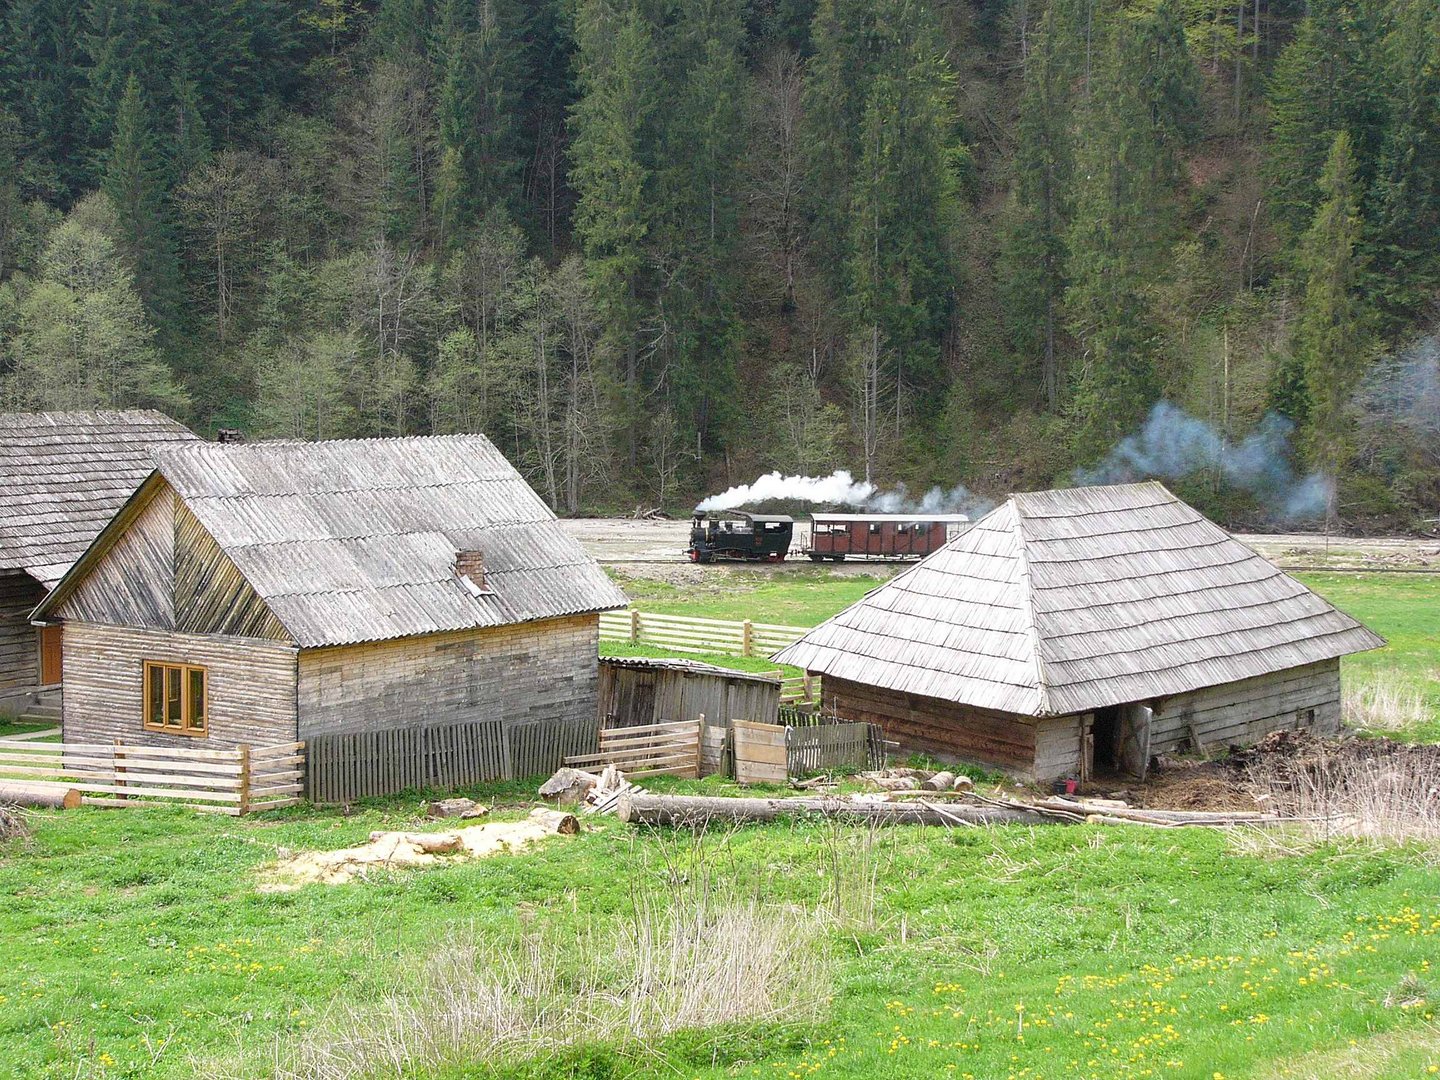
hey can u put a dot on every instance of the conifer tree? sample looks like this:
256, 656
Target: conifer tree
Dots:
1115, 242
611, 154
44, 83
135, 181
1331, 341
478, 111
1033, 241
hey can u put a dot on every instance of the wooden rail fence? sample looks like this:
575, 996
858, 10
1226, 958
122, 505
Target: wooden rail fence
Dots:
686, 634
670, 748
235, 781
354, 765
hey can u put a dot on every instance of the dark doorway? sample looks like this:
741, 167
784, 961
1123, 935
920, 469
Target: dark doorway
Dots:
1105, 731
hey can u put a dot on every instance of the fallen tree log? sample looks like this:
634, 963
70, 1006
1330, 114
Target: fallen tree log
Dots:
50, 796
689, 811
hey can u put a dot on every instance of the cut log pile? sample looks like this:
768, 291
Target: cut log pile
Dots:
692, 811
592, 793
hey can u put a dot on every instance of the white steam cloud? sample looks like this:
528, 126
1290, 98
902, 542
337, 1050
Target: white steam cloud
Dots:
1403, 391
1173, 444
841, 488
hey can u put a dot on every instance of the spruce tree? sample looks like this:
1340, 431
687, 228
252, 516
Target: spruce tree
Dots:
1033, 251
1115, 244
1402, 245
135, 181
611, 155
1331, 340
478, 112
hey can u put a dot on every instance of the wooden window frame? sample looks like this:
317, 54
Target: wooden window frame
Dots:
158, 669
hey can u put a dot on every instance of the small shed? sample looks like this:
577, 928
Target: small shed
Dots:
1085, 629
640, 690
62, 477
269, 592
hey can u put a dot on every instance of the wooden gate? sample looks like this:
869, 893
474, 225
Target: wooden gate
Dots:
51, 656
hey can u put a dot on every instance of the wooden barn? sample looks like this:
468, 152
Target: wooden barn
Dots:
639, 690
1086, 629
273, 591
62, 477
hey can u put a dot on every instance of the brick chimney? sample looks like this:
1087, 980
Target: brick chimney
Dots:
470, 568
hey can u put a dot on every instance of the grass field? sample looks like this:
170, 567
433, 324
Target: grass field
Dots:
137, 944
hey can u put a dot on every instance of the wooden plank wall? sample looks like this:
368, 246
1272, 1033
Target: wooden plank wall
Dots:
760, 753
541, 671
19, 645
251, 685
942, 729
134, 583
211, 595
636, 696
1245, 711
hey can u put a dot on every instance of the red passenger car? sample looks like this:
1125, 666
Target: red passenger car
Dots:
879, 536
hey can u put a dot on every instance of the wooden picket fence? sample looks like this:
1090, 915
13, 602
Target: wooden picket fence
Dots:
820, 747
347, 766
670, 748
686, 634
235, 781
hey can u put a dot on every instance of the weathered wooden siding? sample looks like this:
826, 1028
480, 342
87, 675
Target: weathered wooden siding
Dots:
1242, 712
211, 595
526, 672
133, 585
19, 645
638, 696
942, 729
251, 685
1057, 747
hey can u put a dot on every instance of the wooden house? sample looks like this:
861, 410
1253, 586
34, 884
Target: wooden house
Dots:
1087, 629
62, 477
640, 690
273, 591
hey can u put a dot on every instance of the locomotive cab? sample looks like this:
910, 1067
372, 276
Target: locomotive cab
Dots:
735, 534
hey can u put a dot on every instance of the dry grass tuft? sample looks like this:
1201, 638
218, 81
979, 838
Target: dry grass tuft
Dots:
1387, 797
12, 822
1386, 702
695, 956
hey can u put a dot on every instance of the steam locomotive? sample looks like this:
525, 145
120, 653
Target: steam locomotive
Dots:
735, 534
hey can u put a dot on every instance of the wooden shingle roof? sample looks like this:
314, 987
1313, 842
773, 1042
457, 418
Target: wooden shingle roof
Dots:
64, 474
1062, 601
355, 540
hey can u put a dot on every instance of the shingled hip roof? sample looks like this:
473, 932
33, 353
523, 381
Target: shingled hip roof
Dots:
1063, 601
356, 540
64, 474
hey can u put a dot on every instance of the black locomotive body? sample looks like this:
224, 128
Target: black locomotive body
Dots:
734, 534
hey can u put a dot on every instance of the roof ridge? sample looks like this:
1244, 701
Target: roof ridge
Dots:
1027, 607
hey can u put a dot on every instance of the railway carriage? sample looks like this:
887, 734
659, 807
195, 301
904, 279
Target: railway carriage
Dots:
879, 536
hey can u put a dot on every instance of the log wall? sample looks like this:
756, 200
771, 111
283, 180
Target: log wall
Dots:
943, 729
19, 641
536, 671
1243, 712
251, 686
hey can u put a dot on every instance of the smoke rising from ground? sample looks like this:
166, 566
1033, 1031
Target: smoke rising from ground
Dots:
841, 488
1403, 390
1173, 444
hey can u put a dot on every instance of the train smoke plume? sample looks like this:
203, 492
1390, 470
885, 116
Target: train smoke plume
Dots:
1173, 444
841, 488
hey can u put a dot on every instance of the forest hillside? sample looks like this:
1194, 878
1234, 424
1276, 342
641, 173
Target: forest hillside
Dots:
655, 248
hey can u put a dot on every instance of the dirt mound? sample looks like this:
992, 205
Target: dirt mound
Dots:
1300, 750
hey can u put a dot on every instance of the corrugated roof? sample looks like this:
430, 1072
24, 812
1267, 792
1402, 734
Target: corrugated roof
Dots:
64, 474
686, 666
1062, 601
355, 540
